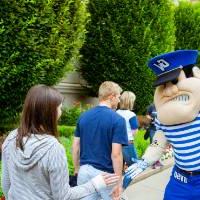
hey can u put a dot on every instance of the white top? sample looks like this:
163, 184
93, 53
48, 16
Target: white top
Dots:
131, 122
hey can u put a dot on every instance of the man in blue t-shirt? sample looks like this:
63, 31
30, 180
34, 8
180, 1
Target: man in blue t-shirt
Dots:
98, 140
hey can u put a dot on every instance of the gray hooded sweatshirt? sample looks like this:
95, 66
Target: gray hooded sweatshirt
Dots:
39, 172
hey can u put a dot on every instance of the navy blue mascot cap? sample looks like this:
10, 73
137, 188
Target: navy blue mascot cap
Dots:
167, 67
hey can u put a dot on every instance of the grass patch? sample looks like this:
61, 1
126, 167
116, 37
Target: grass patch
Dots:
67, 143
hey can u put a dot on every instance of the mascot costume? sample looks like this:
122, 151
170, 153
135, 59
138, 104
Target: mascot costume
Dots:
177, 101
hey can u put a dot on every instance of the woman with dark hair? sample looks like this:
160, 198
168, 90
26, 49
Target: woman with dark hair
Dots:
34, 164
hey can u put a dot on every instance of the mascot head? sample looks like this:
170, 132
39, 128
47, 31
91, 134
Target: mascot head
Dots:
177, 94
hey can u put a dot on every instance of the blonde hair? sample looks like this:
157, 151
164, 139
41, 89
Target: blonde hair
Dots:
108, 88
127, 100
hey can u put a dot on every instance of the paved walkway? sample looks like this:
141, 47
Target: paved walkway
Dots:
151, 188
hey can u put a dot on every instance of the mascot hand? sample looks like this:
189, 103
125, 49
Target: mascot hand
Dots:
133, 171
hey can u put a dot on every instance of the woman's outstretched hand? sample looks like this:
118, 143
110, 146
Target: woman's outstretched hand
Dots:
104, 180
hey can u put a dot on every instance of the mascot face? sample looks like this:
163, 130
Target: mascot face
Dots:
179, 102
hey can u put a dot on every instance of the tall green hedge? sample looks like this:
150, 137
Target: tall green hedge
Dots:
39, 40
70, 116
122, 36
187, 18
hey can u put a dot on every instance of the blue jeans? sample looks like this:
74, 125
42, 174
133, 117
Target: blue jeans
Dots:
182, 186
129, 154
85, 174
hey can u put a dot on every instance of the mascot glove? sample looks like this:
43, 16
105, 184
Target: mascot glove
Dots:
133, 171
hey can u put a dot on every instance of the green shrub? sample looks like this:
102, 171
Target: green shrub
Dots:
7, 127
122, 35
70, 116
140, 143
66, 131
67, 143
187, 19
39, 40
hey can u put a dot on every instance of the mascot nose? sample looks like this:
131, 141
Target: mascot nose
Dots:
170, 89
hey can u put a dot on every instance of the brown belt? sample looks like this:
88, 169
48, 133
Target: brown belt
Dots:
190, 173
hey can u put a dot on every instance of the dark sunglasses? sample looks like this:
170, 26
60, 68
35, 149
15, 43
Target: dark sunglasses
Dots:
188, 73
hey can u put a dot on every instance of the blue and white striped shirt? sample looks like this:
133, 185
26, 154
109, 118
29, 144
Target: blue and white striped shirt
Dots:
185, 140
